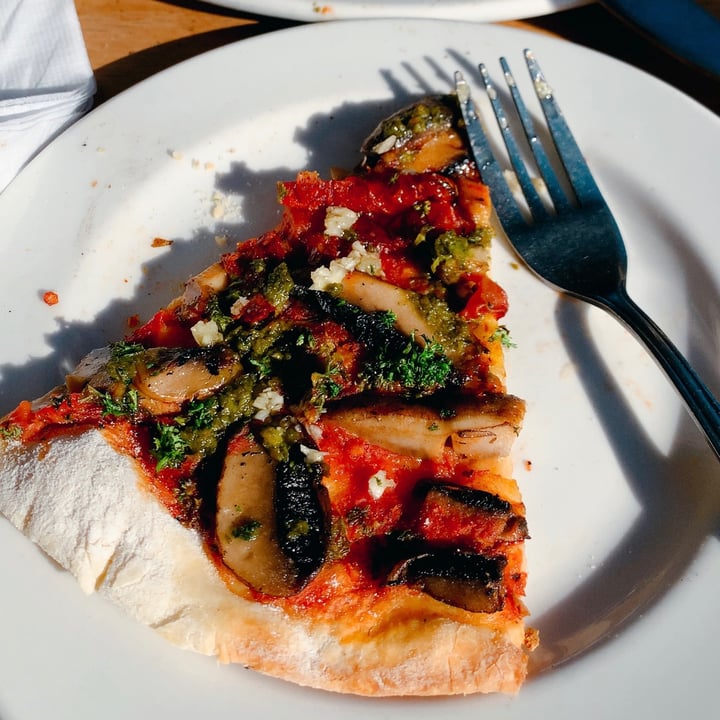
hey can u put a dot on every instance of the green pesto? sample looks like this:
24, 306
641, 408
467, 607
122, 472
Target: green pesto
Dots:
257, 345
447, 329
279, 438
216, 313
233, 404
123, 361
278, 286
451, 249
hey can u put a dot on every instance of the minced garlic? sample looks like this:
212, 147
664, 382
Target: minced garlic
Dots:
358, 259
269, 401
207, 333
312, 455
338, 220
379, 483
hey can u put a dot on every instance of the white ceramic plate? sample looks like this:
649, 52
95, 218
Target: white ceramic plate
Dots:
475, 10
622, 496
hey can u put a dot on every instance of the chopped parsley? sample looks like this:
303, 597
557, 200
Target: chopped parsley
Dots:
200, 413
388, 318
169, 447
125, 349
418, 369
502, 335
325, 386
123, 359
125, 405
11, 432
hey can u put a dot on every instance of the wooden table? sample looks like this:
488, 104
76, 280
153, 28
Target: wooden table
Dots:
129, 40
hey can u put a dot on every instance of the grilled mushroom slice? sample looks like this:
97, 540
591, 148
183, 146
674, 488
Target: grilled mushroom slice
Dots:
164, 378
211, 281
468, 516
301, 505
480, 428
372, 294
466, 580
271, 526
89, 367
183, 374
420, 137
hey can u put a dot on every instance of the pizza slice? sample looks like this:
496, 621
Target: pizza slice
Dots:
302, 464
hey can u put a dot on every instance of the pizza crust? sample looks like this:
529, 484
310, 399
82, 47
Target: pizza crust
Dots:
84, 504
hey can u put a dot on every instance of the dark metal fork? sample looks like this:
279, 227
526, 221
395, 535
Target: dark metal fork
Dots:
575, 245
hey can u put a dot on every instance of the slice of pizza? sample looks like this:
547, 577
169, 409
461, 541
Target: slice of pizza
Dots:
302, 464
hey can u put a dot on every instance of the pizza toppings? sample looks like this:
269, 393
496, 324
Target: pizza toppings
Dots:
470, 581
475, 429
301, 511
325, 406
183, 375
270, 349
272, 528
473, 518
420, 137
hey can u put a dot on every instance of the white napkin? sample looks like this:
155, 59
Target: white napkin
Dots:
46, 81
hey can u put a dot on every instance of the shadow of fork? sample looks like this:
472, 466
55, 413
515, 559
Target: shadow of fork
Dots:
679, 499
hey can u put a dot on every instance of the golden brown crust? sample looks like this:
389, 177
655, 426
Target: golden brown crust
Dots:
117, 539
440, 657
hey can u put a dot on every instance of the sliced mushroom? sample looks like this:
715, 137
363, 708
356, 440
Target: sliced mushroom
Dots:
90, 366
420, 137
480, 428
468, 516
245, 521
101, 372
392, 424
271, 543
179, 375
469, 581
210, 281
371, 294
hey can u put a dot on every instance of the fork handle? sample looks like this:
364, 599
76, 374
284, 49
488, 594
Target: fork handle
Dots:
702, 405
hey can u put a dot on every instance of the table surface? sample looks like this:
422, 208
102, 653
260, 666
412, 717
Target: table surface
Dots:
129, 40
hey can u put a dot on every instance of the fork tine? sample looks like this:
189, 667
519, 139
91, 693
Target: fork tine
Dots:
490, 170
581, 179
537, 209
559, 198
